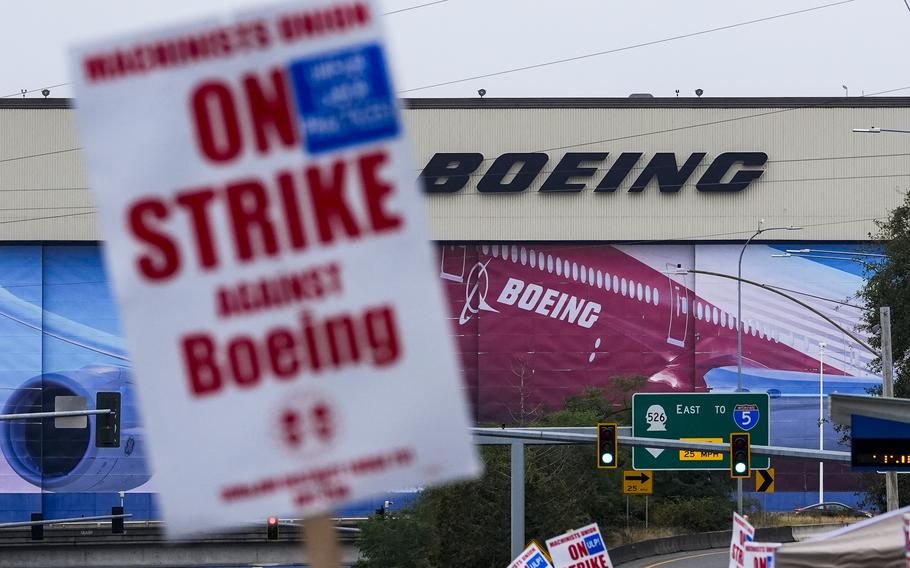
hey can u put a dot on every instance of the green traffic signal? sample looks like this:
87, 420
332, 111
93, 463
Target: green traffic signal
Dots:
607, 445
740, 455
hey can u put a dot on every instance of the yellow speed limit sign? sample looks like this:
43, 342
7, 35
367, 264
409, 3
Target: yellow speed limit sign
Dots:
637, 482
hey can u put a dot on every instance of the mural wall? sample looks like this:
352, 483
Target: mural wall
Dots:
536, 323
566, 316
533, 324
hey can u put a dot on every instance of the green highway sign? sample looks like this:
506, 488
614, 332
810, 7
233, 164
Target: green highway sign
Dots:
696, 417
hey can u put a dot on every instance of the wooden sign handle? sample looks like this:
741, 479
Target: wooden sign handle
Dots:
321, 542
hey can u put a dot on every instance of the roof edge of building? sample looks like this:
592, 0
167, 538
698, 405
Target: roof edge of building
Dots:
577, 102
658, 102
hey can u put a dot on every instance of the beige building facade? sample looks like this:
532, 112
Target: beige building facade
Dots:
816, 172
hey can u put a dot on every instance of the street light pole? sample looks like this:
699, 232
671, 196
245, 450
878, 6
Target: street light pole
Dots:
821, 419
739, 299
739, 329
891, 494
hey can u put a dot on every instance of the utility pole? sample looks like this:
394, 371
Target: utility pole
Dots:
518, 498
888, 392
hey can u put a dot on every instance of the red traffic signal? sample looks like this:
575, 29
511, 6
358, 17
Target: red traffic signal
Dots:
273, 528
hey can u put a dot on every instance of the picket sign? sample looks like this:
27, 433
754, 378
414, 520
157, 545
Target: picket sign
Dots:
580, 548
760, 554
743, 532
532, 557
270, 252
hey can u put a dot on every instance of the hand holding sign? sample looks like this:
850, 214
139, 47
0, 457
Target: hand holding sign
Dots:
268, 247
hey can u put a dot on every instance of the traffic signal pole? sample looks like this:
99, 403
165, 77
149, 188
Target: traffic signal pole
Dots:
891, 501
518, 498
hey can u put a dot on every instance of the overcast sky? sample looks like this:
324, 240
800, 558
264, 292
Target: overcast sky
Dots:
863, 44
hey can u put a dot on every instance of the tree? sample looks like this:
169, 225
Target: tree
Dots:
888, 284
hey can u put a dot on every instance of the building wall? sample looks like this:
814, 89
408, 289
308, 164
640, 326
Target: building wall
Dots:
675, 331
819, 174
44, 189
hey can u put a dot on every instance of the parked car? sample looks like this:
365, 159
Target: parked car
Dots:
831, 509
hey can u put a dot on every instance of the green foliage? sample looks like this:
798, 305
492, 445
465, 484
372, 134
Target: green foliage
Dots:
467, 524
464, 521
695, 514
888, 284
873, 498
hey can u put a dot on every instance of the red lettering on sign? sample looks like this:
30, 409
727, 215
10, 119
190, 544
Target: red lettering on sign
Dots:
217, 128
283, 356
376, 192
293, 214
577, 550
197, 203
330, 203
198, 352
338, 341
248, 203
270, 111
266, 219
164, 262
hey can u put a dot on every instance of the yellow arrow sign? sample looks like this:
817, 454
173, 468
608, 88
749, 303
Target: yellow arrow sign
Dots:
637, 482
764, 480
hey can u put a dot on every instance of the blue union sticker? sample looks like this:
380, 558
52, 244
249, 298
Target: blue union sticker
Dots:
344, 98
595, 544
746, 416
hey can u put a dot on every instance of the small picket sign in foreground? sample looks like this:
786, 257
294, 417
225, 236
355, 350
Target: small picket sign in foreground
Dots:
269, 249
532, 557
580, 548
743, 533
760, 554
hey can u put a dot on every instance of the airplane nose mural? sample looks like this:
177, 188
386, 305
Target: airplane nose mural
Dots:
60, 454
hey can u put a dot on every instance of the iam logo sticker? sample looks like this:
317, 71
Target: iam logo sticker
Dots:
746, 416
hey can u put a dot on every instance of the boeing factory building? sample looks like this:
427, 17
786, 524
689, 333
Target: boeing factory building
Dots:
582, 243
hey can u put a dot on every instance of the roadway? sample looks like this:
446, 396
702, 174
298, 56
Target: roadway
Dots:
716, 558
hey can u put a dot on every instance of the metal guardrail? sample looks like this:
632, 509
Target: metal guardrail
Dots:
62, 521
545, 435
58, 414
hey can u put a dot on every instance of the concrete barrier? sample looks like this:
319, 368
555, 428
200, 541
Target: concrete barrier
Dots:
145, 547
709, 540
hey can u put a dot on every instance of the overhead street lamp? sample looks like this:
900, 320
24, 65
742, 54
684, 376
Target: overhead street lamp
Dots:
821, 419
877, 130
848, 255
833, 255
739, 299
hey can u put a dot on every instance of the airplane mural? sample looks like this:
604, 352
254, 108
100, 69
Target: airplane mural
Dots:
533, 323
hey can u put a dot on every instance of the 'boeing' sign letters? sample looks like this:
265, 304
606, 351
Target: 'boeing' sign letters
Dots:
516, 171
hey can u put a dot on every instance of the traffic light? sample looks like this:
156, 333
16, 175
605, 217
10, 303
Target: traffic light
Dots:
117, 523
740, 455
607, 445
273, 528
37, 530
107, 426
